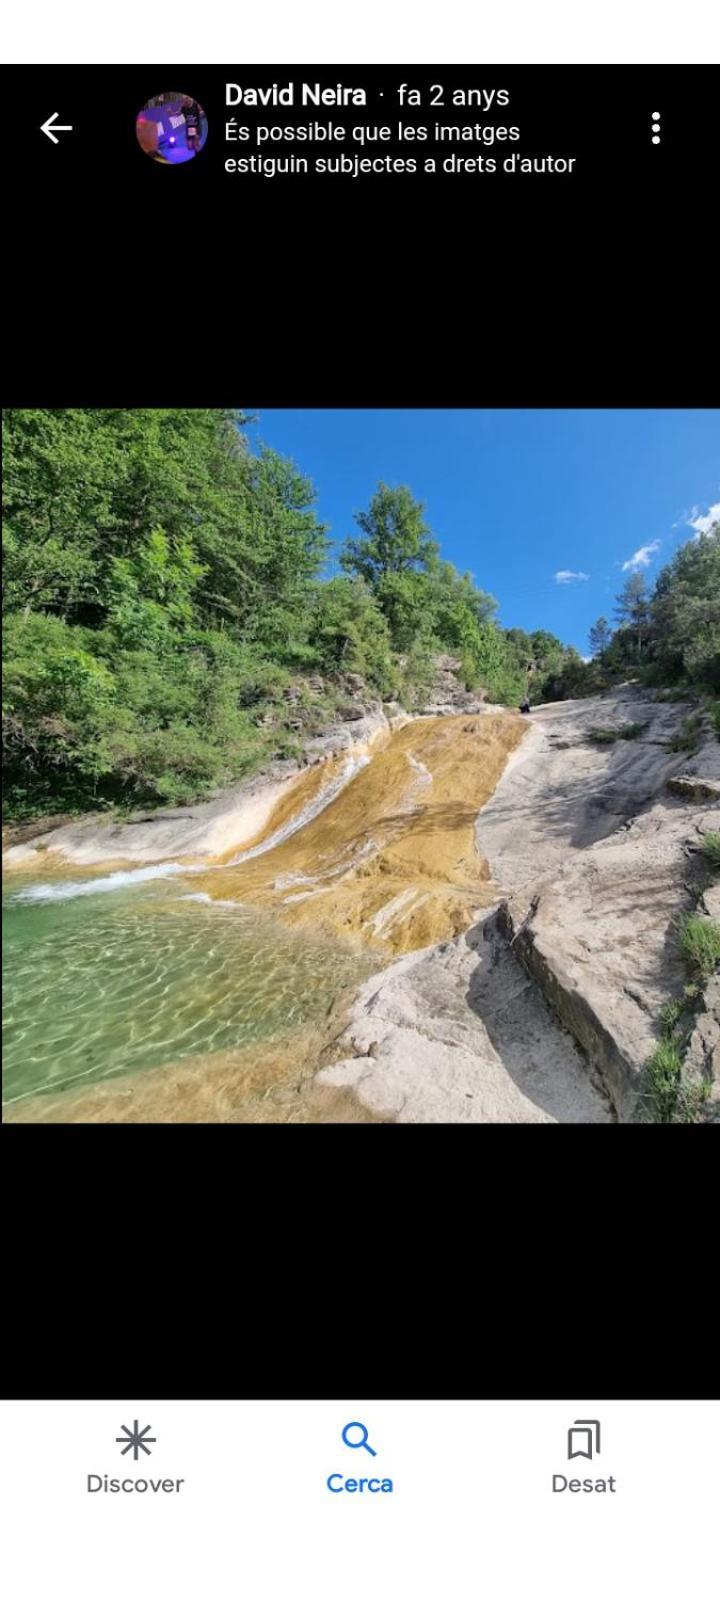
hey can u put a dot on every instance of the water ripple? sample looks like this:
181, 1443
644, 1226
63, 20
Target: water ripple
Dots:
144, 977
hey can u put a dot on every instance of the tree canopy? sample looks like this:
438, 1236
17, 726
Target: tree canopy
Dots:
685, 612
171, 620
667, 636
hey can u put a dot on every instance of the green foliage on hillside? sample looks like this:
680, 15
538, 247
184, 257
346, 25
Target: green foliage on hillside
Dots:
667, 637
167, 613
158, 579
685, 614
169, 623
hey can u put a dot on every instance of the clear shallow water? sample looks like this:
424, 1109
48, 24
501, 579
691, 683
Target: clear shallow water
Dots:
110, 982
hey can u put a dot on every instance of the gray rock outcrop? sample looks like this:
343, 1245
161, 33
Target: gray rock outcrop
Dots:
458, 1034
598, 857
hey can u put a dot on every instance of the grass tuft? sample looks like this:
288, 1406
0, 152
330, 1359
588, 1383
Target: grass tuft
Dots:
711, 848
687, 735
667, 1096
700, 944
663, 1075
629, 730
670, 1015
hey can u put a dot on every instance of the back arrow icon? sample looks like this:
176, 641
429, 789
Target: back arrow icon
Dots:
51, 127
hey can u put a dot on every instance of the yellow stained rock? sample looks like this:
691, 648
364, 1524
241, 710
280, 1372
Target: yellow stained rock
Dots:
391, 860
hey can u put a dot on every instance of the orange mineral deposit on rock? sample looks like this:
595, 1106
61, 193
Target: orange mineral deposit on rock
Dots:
378, 845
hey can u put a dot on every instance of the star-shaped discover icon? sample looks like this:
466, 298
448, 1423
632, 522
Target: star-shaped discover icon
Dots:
135, 1440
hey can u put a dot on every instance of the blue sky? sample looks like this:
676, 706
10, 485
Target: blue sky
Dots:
518, 497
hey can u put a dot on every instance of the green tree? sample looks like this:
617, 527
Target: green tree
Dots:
521, 645
600, 636
685, 613
348, 633
458, 609
633, 609
395, 558
396, 539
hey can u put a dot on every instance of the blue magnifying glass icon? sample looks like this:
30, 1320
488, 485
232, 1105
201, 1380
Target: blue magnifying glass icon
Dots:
362, 1442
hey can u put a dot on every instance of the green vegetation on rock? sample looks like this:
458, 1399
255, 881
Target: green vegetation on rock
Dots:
700, 944
688, 734
668, 1095
711, 848
629, 730
663, 1081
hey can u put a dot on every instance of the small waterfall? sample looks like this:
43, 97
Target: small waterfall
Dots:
115, 880
313, 808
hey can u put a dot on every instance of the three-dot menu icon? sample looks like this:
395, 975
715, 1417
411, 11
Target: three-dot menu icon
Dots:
655, 134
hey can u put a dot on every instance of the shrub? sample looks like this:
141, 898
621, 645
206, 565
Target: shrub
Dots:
469, 671
677, 692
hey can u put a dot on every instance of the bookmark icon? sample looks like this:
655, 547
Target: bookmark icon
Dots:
581, 1438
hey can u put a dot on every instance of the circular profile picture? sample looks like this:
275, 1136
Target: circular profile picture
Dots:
171, 128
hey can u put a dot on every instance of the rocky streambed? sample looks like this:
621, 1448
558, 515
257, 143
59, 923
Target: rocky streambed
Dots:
153, 975
527, 874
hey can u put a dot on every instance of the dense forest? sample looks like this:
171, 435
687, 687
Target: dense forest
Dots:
175, 613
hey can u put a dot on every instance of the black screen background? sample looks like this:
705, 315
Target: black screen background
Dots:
397, 1261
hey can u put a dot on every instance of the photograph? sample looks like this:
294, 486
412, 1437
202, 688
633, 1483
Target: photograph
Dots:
361, 766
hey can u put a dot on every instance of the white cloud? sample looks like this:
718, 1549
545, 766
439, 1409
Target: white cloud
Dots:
642, 557
702, 522
571, 577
